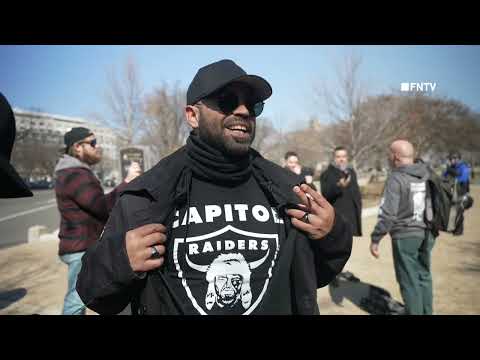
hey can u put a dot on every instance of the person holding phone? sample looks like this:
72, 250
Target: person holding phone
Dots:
340, 187
292, 163
84, 207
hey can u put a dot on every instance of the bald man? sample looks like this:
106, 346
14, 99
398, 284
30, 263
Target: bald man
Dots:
401, 215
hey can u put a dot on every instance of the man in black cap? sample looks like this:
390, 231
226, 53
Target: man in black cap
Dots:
206, 230
83, 206
12, 185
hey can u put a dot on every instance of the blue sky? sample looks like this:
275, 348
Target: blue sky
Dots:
70, 80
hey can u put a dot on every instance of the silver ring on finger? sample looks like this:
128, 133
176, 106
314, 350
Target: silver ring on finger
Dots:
155, 254
305, 218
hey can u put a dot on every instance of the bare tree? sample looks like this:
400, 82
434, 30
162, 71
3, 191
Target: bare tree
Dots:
343, 101
439, 124
434, 125
306, 143
382, 121
365, 125
266, 137
165, 126
124, 99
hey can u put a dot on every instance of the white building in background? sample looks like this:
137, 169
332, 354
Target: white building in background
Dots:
50, 129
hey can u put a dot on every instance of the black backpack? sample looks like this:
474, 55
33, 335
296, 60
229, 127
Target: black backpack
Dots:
439, 203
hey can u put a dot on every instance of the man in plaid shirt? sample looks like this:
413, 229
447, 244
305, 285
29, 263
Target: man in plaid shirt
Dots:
83, 206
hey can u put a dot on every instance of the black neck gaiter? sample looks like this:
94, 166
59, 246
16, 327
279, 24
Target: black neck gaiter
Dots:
210, 164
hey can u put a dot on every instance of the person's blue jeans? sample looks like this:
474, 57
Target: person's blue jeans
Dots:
72, 304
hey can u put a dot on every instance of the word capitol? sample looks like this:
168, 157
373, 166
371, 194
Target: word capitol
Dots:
229, 212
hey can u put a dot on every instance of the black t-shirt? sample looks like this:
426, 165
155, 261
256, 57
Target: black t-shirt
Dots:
232, 260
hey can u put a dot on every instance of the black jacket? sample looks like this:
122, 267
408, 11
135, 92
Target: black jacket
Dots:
348, 201
107, 284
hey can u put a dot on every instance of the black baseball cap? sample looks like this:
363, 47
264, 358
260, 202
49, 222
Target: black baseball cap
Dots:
215, 76
74, 135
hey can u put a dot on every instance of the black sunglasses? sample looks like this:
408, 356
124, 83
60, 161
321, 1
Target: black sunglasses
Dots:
228, 101
92, 143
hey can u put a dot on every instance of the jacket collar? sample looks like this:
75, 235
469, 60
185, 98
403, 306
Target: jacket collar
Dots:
170, 178
67, 162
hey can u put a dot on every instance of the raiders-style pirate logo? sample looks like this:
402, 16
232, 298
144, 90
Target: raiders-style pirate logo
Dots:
227, 271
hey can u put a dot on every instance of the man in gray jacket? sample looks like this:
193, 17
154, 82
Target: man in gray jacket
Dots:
402, 215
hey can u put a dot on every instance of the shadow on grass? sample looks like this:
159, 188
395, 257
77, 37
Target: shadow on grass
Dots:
469, 249
23, 276
9, 297
370, 298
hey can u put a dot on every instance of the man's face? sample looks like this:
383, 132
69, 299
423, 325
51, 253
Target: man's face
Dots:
228, 288
341, 158
87, 153
292, 163
453, 160
230, 133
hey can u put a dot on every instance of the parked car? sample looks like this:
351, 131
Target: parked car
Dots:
40, 184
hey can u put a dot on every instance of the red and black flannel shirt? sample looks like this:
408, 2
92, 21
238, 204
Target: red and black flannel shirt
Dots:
84, 208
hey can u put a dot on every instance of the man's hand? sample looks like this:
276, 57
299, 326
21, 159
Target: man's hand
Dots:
321, 215
133, 171
344, 182
139, 243
374, 250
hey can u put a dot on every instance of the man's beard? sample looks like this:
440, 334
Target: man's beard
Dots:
215, 137
91, 159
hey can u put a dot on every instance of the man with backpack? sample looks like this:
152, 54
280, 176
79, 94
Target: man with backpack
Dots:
402, 215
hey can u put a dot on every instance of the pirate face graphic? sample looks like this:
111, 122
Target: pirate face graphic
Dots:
227, 289
228, 282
